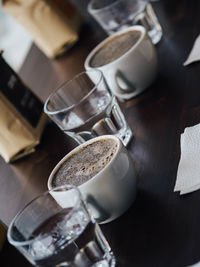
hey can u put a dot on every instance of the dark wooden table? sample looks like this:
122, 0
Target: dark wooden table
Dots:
162, 228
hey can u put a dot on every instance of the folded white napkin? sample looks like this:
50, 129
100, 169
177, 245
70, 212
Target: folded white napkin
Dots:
195, 53
188, 174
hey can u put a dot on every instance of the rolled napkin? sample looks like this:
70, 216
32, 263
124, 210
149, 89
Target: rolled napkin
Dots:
188, 174
53, 25
195, 53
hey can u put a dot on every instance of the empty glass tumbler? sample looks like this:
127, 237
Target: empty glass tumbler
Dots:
85, 108
49, 233
116, 15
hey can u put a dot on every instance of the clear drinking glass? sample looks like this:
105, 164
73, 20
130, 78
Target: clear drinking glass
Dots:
116, 15
85, 108
49, 233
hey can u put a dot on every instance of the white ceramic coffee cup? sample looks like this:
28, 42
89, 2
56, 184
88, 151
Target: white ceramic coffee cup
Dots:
134, 71
111, 191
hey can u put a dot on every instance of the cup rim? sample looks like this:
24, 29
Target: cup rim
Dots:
54, 112
139, 28
49, 191
68, 155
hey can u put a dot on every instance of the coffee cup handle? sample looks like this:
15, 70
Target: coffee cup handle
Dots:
123, 84
98, 212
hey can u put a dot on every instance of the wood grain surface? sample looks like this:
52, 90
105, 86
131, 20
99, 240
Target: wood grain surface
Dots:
162, 228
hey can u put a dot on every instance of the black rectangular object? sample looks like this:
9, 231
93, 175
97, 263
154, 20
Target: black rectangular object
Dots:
12, 87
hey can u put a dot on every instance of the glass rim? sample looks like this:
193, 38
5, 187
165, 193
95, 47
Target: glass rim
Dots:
97, 10
54, 112
55, 189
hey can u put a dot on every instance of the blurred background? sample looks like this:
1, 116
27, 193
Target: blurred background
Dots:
15, 41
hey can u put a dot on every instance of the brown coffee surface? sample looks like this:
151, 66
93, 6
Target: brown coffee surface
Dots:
86, 163
114, 48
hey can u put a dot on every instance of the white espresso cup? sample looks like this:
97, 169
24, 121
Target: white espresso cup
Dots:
132, 72
111, 191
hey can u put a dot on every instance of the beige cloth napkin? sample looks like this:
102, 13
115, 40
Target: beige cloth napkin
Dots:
195, 53
52, 30
188, 175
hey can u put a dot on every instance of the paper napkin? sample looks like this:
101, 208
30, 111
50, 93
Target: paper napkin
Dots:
188, 174
195, 265
195, 53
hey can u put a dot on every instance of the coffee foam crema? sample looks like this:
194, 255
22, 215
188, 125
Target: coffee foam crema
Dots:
85, 163
114, 48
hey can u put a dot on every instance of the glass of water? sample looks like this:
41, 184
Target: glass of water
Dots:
49, 233
116, 15
85, 108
